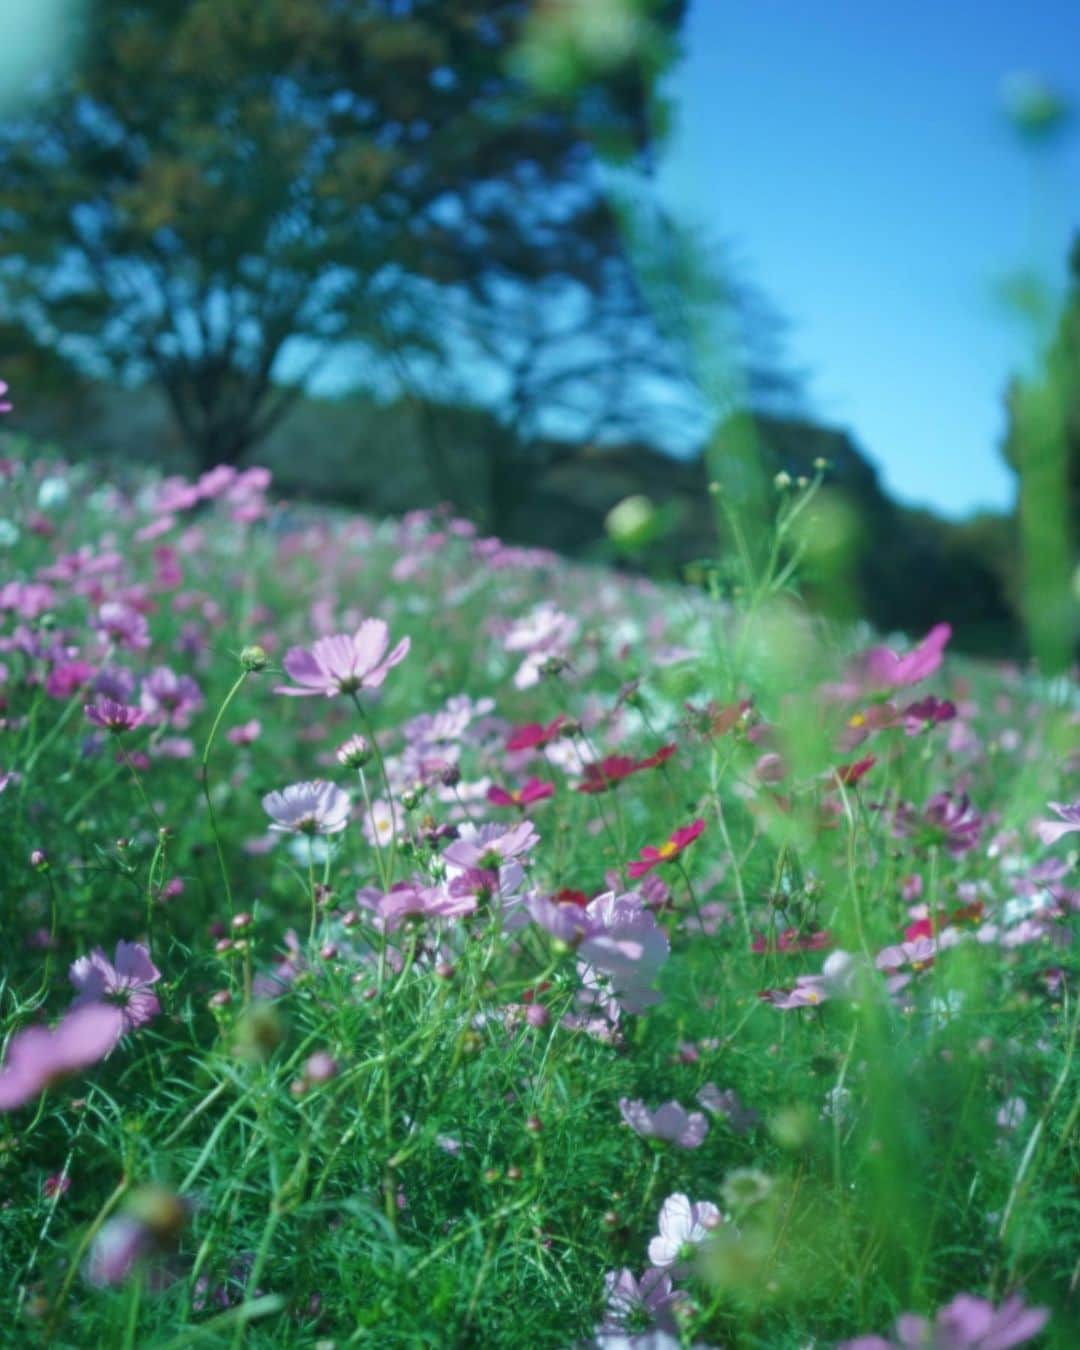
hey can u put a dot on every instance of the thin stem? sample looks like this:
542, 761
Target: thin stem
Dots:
204, 774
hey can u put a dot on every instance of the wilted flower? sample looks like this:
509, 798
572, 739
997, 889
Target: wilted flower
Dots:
308, 808
343, 663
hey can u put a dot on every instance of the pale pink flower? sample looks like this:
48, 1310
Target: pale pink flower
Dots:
1050, 831
40, 1056
671, 1122
122, 984
683, 1225
967, 1323
308, 808
343, 663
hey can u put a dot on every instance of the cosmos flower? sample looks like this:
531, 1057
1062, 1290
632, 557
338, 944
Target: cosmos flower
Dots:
112, 716
308, 808
1050, 831
651, 857
39, 1056
535, 735
122, 984
604, 774
343, 663
533, 790
168, 697
967, 1323
683, 1225
632, 1302
670, 1122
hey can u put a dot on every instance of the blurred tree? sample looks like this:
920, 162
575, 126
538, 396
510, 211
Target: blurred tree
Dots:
221, 196
1042, 445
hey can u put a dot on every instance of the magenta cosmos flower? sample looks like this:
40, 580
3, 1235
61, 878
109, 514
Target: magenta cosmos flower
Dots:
671, 1122
110, 715
308, 808
121, 985
533, 790
343, 664
667, 852
967, 1323
40, 1056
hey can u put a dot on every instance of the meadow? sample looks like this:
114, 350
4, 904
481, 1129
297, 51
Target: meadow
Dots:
414, 940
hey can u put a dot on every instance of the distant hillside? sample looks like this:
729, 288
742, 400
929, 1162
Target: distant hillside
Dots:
911, 567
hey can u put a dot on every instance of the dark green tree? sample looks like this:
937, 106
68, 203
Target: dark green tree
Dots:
1042, 445
220, 196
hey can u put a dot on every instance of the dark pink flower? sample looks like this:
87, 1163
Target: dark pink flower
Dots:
651, 857
343, 664
534, 790
604, 774
534, 735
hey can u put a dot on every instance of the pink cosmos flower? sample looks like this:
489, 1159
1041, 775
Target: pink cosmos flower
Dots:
625, 945
535, 735
631, 1302
889, 671
667, 852
122, 985
310, 808
123, 624
38, 1057
683, 1225
488, 846
343, 664
670, 1122
967, 1323
5, 404
1050, 831
112, 716
727, 1105
246, 733
68, 677
168, 697
604, 774
533, 790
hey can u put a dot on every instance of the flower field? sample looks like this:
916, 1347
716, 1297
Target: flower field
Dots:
415, 940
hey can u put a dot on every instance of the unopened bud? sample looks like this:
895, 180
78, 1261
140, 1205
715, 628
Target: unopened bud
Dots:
254, 658
355, 753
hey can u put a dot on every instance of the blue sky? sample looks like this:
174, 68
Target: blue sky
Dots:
855, 157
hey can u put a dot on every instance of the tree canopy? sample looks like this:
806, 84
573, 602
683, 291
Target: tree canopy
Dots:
220, 196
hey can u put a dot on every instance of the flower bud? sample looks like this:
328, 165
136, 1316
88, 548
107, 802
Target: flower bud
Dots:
355, 753
254, 658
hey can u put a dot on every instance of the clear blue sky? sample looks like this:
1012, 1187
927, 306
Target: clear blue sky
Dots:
856, 158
